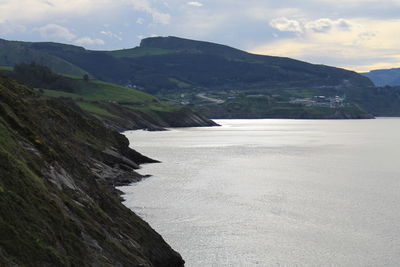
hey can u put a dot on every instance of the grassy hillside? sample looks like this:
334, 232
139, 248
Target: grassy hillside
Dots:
118, 107
139, 52
95, 90
58, 204
12, 52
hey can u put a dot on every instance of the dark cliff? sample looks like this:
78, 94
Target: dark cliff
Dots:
58, 203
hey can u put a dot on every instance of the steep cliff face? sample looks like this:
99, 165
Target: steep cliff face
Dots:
58, 204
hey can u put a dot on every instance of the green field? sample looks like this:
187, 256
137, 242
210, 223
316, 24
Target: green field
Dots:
6, 68
93, 108
95, 90
139, 52
98, 98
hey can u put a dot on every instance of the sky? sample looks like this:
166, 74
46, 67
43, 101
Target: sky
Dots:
359, 35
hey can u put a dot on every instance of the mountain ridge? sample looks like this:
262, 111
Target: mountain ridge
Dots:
180, 69
384, 77
79, 58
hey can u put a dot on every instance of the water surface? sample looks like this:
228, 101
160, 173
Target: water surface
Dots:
274, 192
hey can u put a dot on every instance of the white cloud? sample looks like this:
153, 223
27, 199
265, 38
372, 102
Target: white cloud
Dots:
111, 34
140, 21
320, 25
89, 41
145, 6
161, 18
368, 35
195, 3
324, 25
56, 31
286, 25
344, 25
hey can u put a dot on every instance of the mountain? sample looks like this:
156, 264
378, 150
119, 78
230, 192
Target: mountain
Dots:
58, 202
384, 77
215, 79
174, 61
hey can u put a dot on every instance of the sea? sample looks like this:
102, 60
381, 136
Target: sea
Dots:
274, 192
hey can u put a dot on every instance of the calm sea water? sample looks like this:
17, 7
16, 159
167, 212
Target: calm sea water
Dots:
275, 192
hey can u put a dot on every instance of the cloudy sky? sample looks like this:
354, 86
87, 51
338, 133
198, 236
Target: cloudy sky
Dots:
354, 34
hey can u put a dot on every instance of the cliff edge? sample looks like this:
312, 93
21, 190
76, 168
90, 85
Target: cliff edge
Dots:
58, 203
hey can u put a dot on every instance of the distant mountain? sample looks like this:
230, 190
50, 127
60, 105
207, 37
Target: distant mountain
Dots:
384, 77
168, 63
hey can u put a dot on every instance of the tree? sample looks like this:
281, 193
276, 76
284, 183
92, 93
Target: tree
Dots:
86, 78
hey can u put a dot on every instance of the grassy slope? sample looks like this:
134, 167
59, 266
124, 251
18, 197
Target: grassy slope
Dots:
90, 93
6, 68
124, 108
12, 53
95, 90
43, 223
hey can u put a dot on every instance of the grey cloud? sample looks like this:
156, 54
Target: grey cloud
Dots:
89, 41
344, 25
286, 25
368, 35
320, 25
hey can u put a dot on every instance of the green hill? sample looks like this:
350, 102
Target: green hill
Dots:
13, 52
118, 107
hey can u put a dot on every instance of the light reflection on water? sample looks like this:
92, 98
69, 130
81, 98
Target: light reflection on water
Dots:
274, 192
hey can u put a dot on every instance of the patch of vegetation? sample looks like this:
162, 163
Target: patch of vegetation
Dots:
93, 108
6, 68
139, 52
38, 76
103, 91
6, 140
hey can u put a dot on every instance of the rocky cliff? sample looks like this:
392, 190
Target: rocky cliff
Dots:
58, 203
